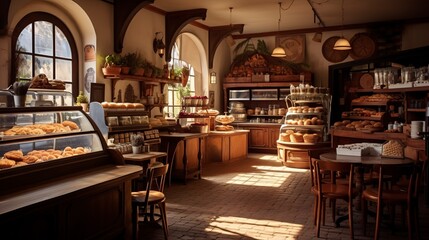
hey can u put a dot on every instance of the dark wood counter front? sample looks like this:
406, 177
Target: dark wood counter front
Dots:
95, 204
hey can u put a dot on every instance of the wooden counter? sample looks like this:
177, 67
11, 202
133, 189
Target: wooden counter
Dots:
225, 146
185, 153
95, 204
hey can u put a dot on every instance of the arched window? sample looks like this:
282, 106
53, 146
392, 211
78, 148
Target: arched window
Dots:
175, 93
42, 43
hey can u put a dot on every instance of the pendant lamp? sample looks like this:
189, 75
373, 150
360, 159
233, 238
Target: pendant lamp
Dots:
342, 43
279, 51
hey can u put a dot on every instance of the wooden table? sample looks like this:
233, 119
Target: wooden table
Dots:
365, 160
169, 142
362, 160
143, 159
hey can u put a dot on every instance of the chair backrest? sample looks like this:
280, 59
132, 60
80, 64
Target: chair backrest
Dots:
157, 172
313, 156
394, 173
335, 168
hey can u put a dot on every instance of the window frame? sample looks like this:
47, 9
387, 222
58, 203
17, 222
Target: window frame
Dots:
43, 16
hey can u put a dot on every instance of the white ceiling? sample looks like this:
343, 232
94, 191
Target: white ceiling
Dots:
259, 16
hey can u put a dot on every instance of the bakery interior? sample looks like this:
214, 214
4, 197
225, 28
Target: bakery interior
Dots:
96, 94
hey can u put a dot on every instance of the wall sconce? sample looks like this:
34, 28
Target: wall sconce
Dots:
158, 45
213, 77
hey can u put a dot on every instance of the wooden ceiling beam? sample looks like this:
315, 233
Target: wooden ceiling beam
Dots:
217, 34
4, 14
175, 22
123, 12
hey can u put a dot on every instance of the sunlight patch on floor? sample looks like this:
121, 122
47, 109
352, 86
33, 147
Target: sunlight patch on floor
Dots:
261, 178
252, 228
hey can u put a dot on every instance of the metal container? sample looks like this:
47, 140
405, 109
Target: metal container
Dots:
236, 105
199, 128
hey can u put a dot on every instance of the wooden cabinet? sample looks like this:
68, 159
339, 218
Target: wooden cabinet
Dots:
273, 136
262, 137
258, 137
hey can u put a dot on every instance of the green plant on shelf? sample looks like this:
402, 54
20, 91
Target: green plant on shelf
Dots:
137, 139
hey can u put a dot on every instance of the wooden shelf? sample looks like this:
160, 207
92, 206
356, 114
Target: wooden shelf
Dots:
394, 90
363, 118
362, 135
381, 103
422, 110
146, 83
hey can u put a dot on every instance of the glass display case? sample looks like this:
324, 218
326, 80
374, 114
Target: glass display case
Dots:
239, 94
37, 135
56, 170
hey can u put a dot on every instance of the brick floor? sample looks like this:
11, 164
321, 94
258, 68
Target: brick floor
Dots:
257, 198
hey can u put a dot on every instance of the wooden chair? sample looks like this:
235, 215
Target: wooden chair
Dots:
333, 190
149, 198
384, 194
313, 156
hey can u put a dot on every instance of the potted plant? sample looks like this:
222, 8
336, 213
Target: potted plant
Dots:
82, 100
140, 66
148, 70
177, 73
125, 63
112, 64
19, 91
185, 75
137, 142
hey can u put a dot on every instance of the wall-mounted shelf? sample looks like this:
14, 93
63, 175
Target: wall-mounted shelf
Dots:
146, 83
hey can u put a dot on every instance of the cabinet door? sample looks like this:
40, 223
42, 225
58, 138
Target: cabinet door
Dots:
273, 136
258, 138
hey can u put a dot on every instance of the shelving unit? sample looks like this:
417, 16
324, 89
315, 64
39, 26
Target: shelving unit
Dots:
343, 82
296, 154
146, 85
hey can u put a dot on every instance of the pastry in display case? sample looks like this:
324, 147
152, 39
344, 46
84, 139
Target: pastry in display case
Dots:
37, 137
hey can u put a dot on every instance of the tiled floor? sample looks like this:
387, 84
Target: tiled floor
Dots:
256, 199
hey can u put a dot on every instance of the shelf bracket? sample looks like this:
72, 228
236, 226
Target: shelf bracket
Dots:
123, 12
217, 34
4, 14
174, 23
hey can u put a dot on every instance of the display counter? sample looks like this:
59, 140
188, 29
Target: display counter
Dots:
58, 179
225, 146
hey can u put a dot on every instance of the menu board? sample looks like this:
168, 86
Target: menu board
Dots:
97, 92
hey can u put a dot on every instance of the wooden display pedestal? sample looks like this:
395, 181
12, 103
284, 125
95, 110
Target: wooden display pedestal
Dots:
297, 155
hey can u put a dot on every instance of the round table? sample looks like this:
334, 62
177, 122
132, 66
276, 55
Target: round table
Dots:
362, 160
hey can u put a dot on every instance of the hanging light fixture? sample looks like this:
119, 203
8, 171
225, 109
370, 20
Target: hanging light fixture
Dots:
342, 43
279, 51
229, 39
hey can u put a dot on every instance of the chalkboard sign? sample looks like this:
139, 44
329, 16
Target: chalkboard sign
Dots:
97, 92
